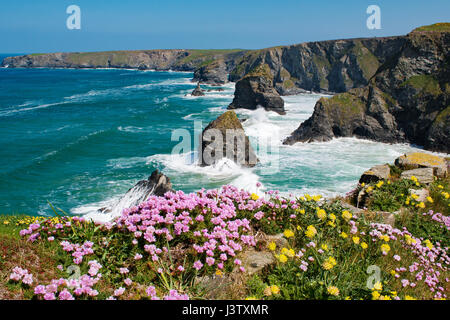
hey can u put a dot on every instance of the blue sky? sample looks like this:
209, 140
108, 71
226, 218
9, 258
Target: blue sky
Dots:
40, 26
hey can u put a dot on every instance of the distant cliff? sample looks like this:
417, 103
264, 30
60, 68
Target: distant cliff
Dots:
407, 100
177, 60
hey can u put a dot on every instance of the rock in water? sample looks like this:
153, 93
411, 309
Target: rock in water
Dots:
214, 73
256, 90
198, 91
225, 138
157, 184
407, 100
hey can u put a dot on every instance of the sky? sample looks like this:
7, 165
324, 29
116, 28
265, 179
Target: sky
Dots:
39, 26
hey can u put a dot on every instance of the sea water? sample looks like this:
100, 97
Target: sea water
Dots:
79, 139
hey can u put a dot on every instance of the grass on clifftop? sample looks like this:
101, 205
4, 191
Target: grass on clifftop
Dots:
437, 27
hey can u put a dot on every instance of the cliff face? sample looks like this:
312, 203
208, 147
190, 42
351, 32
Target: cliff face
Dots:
407, 100
325, 66
178, 60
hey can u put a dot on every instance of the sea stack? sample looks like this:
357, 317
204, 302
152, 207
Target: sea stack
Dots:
256, 90
225, 138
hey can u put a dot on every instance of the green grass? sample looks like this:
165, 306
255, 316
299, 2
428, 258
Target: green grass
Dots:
437, 27
424, 84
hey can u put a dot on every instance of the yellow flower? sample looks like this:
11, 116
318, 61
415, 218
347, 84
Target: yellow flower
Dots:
219, 273
299, 228
308, 197
332, 217
421, 205
364, 245
275, 289
329, 263
324, 247
409, 298
375, 295
334, 291
288, 233
310, 232
272, 246
282, 258
254, 196
409, 239
428, 244
317, 197
251, 298
379, 184
385, 298
355, 240
346, 215
394, 293
301, 211
290, 253
430, 199
440, 187
369, 189
378, 286
343, 235
363, 184
385, 248
413, 178
321, 214
6, 222
385, 238
393, 272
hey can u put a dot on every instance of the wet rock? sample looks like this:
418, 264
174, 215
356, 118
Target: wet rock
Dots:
198, 91
256, 90
225, 138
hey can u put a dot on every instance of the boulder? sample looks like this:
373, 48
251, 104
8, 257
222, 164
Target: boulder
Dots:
421, 193
374, 174
423, 160
256, 90
198, 91
423, 175
157, 184
214, 73
225, 138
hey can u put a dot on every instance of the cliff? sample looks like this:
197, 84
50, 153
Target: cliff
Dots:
407, 100
324, 66
177, 60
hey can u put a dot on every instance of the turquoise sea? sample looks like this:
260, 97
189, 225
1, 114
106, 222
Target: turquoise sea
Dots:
81, 138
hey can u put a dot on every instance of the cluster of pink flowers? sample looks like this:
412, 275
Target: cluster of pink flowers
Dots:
78, 251
19, 274
161, 219
431, 260
444, 221
67, 289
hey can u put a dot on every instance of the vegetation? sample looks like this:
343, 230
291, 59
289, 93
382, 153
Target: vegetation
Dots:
437, 27
163, 248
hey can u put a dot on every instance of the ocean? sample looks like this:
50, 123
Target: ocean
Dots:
79, 139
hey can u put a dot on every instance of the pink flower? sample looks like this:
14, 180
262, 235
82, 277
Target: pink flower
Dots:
119, 292
198, 265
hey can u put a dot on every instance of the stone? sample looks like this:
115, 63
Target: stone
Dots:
225, 138
422, 194
198, 91
423, 175
405, 100
256, 90
214, 73
376, 173
423, 160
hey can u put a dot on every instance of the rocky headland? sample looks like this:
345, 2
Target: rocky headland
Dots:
407, 100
